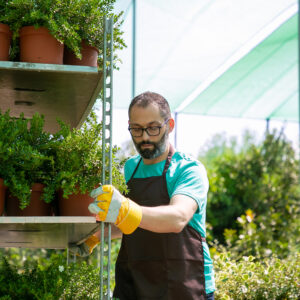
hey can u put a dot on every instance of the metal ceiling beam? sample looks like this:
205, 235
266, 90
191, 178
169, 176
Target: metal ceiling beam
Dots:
133, 47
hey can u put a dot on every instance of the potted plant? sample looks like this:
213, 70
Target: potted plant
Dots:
5, 142
5, 33
79, 166
30, 167
76, 24
86, 17
35, 26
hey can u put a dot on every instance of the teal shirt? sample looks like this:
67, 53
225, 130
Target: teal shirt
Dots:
185, 176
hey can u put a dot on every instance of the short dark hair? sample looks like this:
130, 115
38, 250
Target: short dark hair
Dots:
146, 98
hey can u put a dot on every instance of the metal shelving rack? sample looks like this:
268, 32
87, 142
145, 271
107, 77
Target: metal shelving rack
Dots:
69, 93
105, 245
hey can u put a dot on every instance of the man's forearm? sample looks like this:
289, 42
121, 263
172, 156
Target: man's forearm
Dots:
169, 218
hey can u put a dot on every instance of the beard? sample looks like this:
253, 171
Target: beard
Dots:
158, 148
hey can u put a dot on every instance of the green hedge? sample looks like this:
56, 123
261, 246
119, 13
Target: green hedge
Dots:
55, 281
269, 278
253, 200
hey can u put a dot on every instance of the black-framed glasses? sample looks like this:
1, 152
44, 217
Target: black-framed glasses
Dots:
151, 130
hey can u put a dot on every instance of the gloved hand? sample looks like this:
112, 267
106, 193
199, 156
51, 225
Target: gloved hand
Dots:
110, 206
85, 248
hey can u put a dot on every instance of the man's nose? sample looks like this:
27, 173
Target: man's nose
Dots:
145, 135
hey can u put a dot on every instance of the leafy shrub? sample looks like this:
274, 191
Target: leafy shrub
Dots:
79, 158
262, 179
31, 283
26, 156
71, 159
68, 21
79, 280
51, 278
247, 279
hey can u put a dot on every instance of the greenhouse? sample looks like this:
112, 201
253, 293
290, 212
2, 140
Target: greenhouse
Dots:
233, 59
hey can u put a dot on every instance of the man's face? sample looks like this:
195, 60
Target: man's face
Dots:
148, 146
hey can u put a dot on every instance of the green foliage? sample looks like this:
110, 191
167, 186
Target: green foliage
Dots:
68, 21
79, 158
86, 22
54, 281
2, 7
44, 274
265, 179
25, 156
270, 278
70, 160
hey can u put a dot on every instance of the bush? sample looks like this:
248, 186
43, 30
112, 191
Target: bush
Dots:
70, 160
55, 281
260, 182
26, 156
270, 278
44, 275
79, 158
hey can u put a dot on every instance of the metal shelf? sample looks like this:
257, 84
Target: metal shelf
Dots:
45, 232
56, 91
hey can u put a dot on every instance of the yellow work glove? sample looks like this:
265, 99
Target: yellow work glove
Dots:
85, 248
110, 206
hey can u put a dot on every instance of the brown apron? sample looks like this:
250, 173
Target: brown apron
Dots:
159, 265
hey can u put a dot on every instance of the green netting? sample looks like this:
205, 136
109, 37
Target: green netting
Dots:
180, 45
263, 84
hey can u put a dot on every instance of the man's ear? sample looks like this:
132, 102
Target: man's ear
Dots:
171, 124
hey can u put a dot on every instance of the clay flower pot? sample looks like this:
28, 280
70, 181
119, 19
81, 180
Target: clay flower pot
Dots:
2, 196
37, 206
5, 37
75, 205
89, 56
37, 45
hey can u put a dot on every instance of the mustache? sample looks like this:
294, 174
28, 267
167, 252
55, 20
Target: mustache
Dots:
146, 143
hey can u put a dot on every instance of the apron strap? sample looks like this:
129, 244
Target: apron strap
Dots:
135, 169
169, 157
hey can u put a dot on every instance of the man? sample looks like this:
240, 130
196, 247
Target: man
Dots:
163, 254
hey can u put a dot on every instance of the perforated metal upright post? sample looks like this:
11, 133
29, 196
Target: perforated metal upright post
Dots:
105, 247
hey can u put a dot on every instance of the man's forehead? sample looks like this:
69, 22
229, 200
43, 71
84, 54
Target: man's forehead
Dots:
149, 113
151, 123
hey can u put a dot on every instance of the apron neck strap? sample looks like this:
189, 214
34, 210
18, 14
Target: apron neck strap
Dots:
169, 157
136, 168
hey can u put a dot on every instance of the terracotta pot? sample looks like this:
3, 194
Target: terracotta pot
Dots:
89, 56
5, 37
37, 45
75, 205
2, 196
37, 206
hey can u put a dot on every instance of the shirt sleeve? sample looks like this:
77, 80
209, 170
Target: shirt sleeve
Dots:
192, 181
